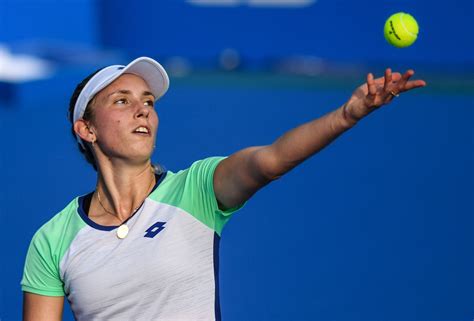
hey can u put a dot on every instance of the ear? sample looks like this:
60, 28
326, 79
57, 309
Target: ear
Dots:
81, 127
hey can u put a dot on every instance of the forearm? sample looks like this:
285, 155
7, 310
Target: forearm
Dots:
306, 140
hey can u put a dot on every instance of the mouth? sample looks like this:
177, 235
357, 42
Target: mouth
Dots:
142, 131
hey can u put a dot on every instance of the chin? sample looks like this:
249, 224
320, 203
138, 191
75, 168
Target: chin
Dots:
145, 152
137, 152
142, 153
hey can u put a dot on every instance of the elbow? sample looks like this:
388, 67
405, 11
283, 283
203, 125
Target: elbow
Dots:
269, 167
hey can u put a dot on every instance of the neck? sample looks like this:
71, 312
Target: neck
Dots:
124, 188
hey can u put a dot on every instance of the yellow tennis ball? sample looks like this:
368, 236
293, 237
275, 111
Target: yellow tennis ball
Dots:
401, 30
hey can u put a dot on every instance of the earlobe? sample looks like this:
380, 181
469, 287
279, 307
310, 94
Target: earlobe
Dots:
83, 131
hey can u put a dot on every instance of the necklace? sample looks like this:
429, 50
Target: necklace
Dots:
123, 229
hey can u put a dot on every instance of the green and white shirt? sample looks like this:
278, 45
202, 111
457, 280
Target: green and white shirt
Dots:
165, 269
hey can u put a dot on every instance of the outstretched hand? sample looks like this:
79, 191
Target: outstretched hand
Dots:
378, 92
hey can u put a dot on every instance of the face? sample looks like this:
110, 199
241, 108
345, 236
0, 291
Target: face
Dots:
125, 120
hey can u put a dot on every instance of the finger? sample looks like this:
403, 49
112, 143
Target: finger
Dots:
414, 84
406, 76
371, 88
395, 77
388, 79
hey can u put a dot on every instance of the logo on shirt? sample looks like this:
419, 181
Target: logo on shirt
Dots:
155, 229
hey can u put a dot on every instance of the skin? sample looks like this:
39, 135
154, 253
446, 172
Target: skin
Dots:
123, 158
245, 172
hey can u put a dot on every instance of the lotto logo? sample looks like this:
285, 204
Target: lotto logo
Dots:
155, 229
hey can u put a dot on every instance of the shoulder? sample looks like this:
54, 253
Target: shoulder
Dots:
59, 219
194, 180
64, 224
41, 272
202, 165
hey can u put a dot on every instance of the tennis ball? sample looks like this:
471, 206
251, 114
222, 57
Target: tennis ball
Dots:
401, 30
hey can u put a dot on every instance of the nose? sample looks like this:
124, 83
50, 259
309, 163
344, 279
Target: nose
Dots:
142, 111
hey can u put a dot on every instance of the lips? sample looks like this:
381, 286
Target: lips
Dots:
142, 130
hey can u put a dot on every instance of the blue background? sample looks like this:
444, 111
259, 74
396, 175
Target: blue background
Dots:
377, 226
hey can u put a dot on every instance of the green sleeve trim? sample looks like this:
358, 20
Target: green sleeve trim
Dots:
49, 244
192, 190
29, 289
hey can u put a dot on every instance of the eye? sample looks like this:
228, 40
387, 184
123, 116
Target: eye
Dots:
121, 101
150, 103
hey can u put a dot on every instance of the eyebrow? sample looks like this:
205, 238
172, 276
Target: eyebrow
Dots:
128, 92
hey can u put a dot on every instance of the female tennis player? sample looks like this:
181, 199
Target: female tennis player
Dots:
144, 244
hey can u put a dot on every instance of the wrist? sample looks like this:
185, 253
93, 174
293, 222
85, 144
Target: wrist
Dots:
347, 119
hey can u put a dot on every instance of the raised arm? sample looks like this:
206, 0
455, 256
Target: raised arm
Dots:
42, 308
242, 174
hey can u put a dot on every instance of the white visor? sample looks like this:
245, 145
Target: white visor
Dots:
148, 69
